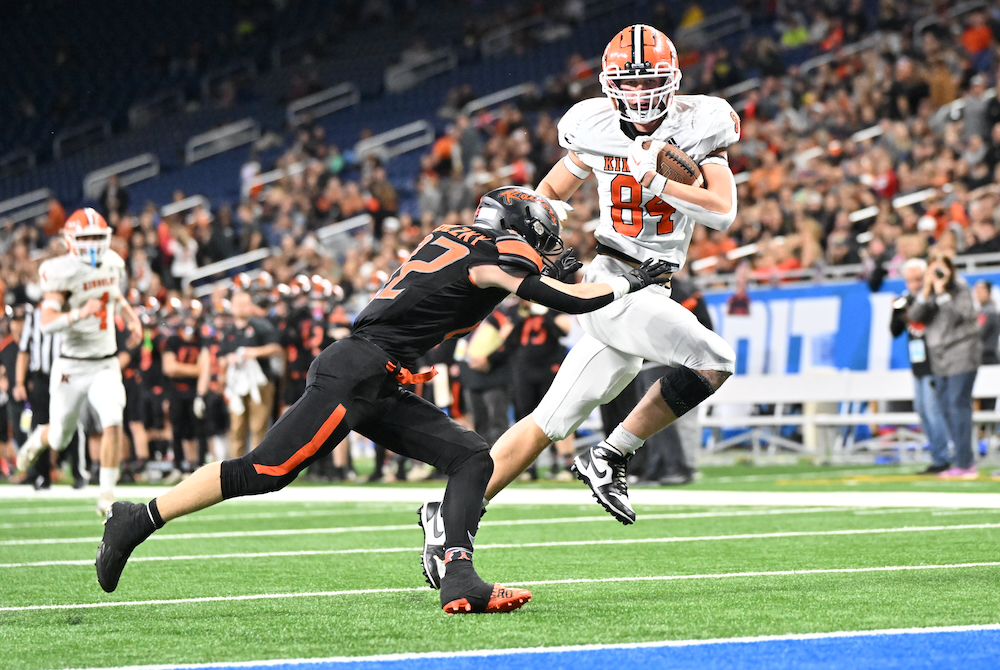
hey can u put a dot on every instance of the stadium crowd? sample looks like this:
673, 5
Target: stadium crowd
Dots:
902, 115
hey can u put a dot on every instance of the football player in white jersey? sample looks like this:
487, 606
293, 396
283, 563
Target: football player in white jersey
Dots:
643, 216
82, 292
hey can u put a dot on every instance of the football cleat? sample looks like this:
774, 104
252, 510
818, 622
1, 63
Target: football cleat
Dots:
503, 599
463, 592
432, 557
124, 529
602, 468
30, 450
104, 502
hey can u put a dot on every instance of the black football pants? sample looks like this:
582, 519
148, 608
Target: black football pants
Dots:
350, 388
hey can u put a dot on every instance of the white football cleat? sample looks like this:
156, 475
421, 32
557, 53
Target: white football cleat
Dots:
104, 502
30, 450
432, 557
602, 468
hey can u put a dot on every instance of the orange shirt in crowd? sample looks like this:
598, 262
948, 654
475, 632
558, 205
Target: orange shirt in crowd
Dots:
976, 38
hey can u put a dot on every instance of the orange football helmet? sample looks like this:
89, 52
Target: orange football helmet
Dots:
645, 58
88, 236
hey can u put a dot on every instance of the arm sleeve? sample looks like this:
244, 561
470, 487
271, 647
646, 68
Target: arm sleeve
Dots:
534, 289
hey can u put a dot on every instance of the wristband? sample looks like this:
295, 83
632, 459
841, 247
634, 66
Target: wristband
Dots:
657, 184
620, 286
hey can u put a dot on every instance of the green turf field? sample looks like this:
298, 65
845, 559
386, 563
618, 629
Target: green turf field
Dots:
679, 573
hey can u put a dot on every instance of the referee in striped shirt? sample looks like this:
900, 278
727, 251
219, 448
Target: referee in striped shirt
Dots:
34, 365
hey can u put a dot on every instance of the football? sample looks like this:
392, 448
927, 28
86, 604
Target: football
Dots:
676, 165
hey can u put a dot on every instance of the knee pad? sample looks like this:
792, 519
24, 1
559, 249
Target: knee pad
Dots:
239, 478
683, 389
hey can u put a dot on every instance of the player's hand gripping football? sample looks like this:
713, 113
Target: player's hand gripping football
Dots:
642, 162
563, 267
648, 273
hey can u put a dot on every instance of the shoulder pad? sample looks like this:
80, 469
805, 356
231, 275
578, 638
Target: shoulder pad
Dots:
112, 260
515, 252
720, 126
572, 127
57, 273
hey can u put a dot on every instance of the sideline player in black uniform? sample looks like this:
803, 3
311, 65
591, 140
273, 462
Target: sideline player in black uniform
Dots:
452, 280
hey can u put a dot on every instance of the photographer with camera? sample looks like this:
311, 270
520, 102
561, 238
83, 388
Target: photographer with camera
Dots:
945, 305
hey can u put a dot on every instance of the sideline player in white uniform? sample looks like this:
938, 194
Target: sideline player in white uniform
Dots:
82, 292
640, 76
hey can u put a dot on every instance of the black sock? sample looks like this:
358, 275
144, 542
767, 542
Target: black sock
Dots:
154, 514
463, 500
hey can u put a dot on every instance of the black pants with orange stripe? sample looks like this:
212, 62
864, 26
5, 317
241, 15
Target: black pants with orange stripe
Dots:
349, 388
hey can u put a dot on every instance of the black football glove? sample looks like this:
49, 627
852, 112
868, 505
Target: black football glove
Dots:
563, 267
648, 273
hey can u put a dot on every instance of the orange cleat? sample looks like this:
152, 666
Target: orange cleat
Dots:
503, 599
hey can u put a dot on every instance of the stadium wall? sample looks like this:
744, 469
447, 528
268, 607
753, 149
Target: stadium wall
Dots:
836, 326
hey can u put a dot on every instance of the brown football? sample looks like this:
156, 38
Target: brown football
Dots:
676, 165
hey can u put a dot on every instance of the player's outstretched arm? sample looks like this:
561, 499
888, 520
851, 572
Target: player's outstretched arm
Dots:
564, 178
572, 298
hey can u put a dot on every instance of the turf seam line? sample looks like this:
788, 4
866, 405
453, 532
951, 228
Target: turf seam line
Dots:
544, 582
533, 545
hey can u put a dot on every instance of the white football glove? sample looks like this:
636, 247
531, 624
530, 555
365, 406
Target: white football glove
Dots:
642, 161
562, 209
199, 407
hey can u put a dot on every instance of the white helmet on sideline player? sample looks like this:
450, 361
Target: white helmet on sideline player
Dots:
88, 236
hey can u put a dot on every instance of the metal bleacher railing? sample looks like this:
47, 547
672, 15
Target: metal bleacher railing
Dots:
322, 103
129, 171
73, 139
26, 206
397, 141
334, 238
221, 139
410, 73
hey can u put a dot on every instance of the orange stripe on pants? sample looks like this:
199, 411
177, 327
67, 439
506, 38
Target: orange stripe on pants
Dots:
321, 436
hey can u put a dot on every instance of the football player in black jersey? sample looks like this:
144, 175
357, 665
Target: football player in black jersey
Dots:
451, 281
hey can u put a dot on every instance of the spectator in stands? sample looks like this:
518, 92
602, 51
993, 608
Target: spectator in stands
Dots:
925, 401
114, 198
246, 373
945, 305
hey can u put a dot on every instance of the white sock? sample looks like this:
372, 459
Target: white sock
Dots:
108, 479
485, 503
624, 441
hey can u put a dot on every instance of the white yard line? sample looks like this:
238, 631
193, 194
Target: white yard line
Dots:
578, 495
413, 526
546, 582
569, 648
535, 545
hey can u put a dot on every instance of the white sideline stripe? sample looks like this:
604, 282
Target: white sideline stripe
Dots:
93, 521
372, 529
516, 522
543, 582
534, 545
579, 495
571, 648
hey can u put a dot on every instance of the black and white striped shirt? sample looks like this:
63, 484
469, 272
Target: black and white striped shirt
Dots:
42, 348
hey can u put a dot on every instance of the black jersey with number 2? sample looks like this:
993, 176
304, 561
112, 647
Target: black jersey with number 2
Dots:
431, 298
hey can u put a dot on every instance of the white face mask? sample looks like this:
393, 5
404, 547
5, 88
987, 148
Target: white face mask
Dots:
91, 247
644, 105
